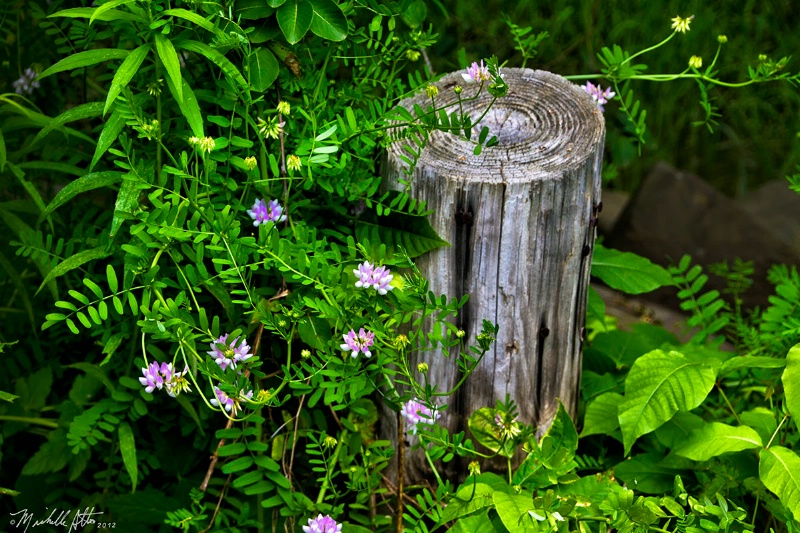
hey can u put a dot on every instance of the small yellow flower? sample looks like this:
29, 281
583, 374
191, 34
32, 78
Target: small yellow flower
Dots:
305, 354
681, 25
431, 91
284, 107
422, 368
460, 333
722, 39
412, 55
458, 89
474, 468
264, 395
695, 62
154, 88
328, 442
293, 162
401, 341
194, 141
250, 162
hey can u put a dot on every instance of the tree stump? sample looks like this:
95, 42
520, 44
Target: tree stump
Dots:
520, 219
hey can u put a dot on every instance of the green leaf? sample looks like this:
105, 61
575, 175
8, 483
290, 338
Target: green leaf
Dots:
294, 19
169, 57
559, 438
601, 415
85, 183
92, 109
678, 428
315, 331
513, 510
2, 152
744, 361
51, 456
275, 3
263, 69
779, 470
469, 498
791, 381
658, 385
481, 425
108, 6
762, 420
647, 473
127, 200
189, 108
91, 13
125, 73
715, 439
220, 60
253, 9
328, 22
74, 261
95, 372
127, 447
627, 272
413, 233
111, 130
624, 347
191, 17
85, 59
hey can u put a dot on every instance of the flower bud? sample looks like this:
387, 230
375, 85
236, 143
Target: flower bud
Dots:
474, 468
695, 62
422, 368
250, 162
305, 354
432, 91
458, 89
460, 333
722, 39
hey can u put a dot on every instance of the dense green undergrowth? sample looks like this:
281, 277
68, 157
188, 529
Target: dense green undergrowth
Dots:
207, 297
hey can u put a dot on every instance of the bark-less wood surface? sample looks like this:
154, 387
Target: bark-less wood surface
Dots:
520, 218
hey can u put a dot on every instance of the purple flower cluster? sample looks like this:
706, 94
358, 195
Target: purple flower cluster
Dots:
231, 405
379, 278
157, 376
263, 212
26, 84
231, 353
322, 524
476, 73
415, 412
599, 95
358, 343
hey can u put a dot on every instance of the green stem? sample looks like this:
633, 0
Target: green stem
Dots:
775, 433
334, 458
733, 411
640, 52
46, 422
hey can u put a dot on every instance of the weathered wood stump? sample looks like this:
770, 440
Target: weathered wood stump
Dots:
520, 218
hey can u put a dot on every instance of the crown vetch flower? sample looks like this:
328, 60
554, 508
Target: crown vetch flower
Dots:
415, 412
322, 524
232, 405
231, 353
379, 278
266, 212
358, 343
25, 84
599, 95
476, 73
152, 379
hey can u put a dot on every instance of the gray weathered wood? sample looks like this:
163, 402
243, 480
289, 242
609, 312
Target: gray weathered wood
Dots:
520, 219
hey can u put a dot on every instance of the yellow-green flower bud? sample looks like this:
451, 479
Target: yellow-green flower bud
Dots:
460, 333
458, 89
284, 107
474, 468
722, 39
695, 62
250, 162
431, 91
293, 162
412, 55
264, 395
305, 354
422, 368
328, 442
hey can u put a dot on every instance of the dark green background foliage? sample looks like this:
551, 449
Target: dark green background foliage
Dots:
123, 237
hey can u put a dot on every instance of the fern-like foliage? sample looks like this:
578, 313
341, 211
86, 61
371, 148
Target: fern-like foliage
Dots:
710, 314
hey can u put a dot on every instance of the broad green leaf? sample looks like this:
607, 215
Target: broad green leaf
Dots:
253, 9
85, 59
412, 233
92, 109
601, 415
658, 385
627, 272
51, 456
744, 361
85, 183
791, 381
678, 428
469, 498
648, 473
127, 200
328, 21
108, 6
560, 437
189, 108
263, 69
91, 13
479, 523
190, 16
483, 428
127, 446
220, 60
315, 331
762, 420
294, 19
624, 347
125, 73
275, 3
715, 438
169, 58
111, 130
74, 261
513, 510
779, 470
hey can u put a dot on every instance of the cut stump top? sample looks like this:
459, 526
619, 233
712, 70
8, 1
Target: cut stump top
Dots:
545, 126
